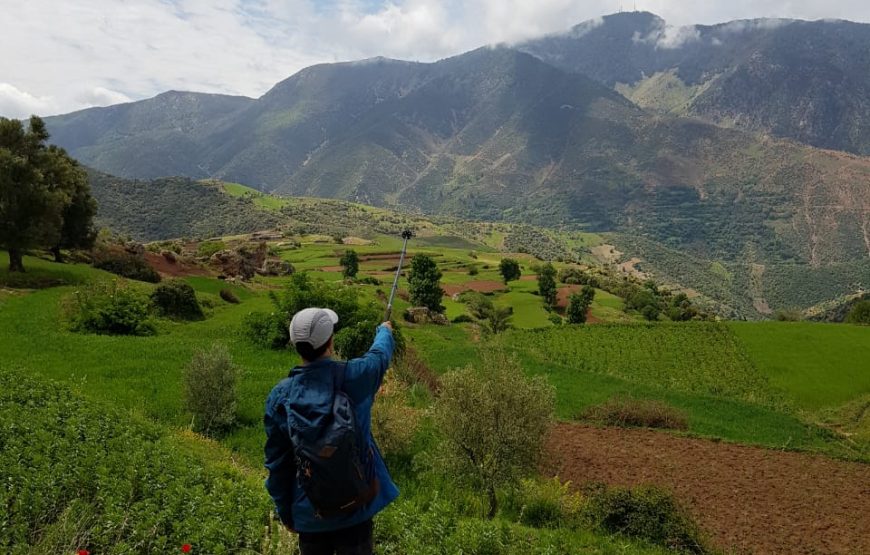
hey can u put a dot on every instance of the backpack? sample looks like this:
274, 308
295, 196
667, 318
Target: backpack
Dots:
335, 470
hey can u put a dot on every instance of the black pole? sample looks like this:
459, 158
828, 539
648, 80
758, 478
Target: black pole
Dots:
405, 235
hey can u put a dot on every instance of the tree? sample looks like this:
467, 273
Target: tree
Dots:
424, 283
350, 263
494, 420
40, 185
211, 389
498, 319
578, 305
547, 285
78, 231
509, 269
860, 313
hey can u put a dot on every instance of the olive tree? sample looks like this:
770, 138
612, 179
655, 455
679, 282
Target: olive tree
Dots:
547, 285
424, 283
349, 263
494, 421
44, 195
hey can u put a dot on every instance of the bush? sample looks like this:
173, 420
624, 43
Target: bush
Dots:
394, 423
210, 389
648, 513
462, 319
494, 420
555, 319
369, 280
473, 270
860, 313
229, 296
176, 299
788, 315
641, 413
266, 330
208, 248
112, 308
125, 264
357, 322
549, 504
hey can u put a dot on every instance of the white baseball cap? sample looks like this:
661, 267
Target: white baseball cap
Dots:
313, 326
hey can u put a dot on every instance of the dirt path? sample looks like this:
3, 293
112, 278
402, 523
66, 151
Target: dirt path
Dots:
750, 500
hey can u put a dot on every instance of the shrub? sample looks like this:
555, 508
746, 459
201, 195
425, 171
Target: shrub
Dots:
494, 420
643, 413
555, 319
549, 504
369, 280
112, 308
648, 513
462, 319
650, 312
229, 296
860, 313
357, 322
208, 248
788, 315
125, 264
473, 270
210, 389
394, 423
176, 299
267, 330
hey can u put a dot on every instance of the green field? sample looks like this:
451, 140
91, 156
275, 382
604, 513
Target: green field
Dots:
778, 385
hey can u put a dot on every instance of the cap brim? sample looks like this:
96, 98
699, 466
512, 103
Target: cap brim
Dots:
332, 315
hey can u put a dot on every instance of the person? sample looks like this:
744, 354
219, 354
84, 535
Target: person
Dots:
306, 398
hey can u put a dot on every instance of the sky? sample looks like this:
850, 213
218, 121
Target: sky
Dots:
59, 56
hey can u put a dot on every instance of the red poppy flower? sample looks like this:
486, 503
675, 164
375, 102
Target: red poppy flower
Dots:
185, 548
84, 552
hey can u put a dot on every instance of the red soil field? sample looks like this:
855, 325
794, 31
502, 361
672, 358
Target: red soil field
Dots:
173, 269
748, 499
481, 286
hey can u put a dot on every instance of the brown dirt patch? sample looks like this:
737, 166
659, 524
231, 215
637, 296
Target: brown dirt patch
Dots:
563, 293
749, 499
332, 268
530, 277
173, 269
479, 286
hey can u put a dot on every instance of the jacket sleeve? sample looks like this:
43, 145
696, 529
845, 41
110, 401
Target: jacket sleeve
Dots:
280, 462
364, 375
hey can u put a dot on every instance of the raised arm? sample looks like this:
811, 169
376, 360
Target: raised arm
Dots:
364, 375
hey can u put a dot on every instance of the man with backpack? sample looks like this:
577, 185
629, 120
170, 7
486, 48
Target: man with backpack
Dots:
326, 475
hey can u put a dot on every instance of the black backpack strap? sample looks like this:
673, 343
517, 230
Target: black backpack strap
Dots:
339, 376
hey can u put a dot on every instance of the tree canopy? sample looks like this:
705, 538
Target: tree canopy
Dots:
424, 283
349, 263
45, 198
547, 285
509, 269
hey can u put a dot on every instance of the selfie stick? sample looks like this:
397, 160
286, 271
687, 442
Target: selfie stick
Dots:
405, 235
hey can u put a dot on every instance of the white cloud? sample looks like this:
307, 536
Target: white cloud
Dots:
15, 103
94, 52
669, 36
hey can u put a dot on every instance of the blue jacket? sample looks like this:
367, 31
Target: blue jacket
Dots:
312, 391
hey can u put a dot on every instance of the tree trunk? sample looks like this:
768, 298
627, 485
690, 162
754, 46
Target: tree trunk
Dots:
493, 503
58, 256
16, 263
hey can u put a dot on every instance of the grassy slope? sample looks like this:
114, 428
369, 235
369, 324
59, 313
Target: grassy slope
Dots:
821, 366
142, 376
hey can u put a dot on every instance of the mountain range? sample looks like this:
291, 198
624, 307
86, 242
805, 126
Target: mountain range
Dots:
704, 140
